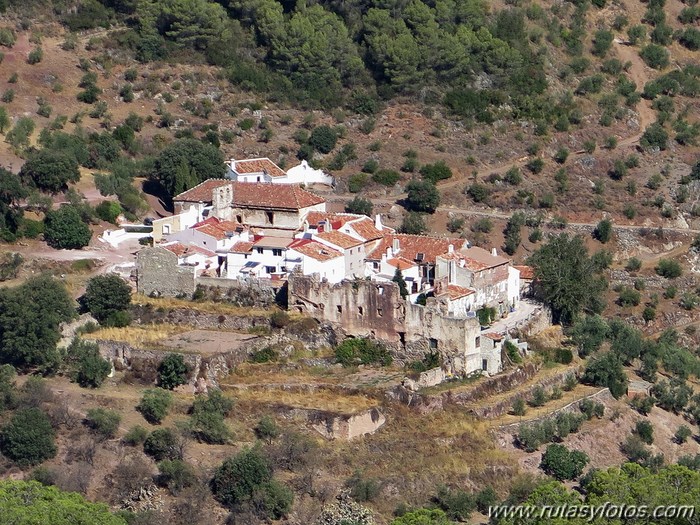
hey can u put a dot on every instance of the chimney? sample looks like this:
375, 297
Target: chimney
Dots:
494, 252
388, 252
450, 249
396, 246
329, 225
378, 222
200, 209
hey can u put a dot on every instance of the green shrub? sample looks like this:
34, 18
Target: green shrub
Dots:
162, 444
362, 489
386, 177
103, 422
106, 295
28, 438
457, 504
669, 268
562, 463
357, 182
362, 351
154, 405
436, 172
360, 206
175, 475
136, 436
35, 56
172, 371
323, 139
108, 211
267, 429
645, 431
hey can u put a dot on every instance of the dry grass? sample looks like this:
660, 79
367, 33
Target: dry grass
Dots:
138, 335
321, 399
201, 306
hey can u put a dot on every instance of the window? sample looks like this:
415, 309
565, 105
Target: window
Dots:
375, 265
277, 252
259, 250
380, 312
360, 311
166, 229
283, 269
269, 269
433, 344
484, 364
477, 342
270, 217
239, 218
339, 307
380, 289
245, 256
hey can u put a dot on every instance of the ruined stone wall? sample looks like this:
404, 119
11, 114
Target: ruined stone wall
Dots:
534, 324
454, 338
159, 274
361, 307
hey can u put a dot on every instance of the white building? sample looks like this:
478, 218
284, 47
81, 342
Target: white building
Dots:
264, 170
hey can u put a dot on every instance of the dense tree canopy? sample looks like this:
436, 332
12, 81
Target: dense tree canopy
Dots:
29, 319
49, 505
106, 295
64, 228
50, 170
568, 278
200, 161
28, 438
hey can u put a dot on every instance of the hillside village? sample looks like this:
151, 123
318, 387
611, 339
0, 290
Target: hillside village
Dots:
251, 226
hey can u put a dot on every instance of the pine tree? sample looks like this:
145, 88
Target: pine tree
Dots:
398, 279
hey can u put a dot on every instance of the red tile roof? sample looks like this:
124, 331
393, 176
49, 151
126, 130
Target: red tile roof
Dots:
494, 336
365, 228
242, 247
264, 195
526, 272
315, 250
183, 250
264, 165
340, 239
218, 229
457, 292
315, 217
401, 263
267, 195
475, 259
201, 192
411, 245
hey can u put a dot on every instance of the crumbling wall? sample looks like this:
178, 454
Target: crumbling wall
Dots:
159, 274
361, 307
371, 309
341, 426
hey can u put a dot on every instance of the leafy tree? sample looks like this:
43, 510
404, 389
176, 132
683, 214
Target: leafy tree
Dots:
108, 211
201, 161
603, 231
569, 282
50, 170
512, 233
323, 139
602, 40
589, 333
398, 279
238, 477
413, 224
386, 177
606, 370
423, 517
136, 436
562, 463
360, 206
172, 371
30, 316
669, 268
457, 504
645, 431
176, 475
28, 438
267, 429
655, 136
4, 120
64, 229
19, 135
163, 443
89, 369
682, 434
478, 192
208, 423
519, 407
422, 196
436, 172
655, 56
106, 295
104, 422
62, 508
154, 405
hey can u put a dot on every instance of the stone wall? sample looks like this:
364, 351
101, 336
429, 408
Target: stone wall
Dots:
159, 274
365, 308
341, 426
539, 320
